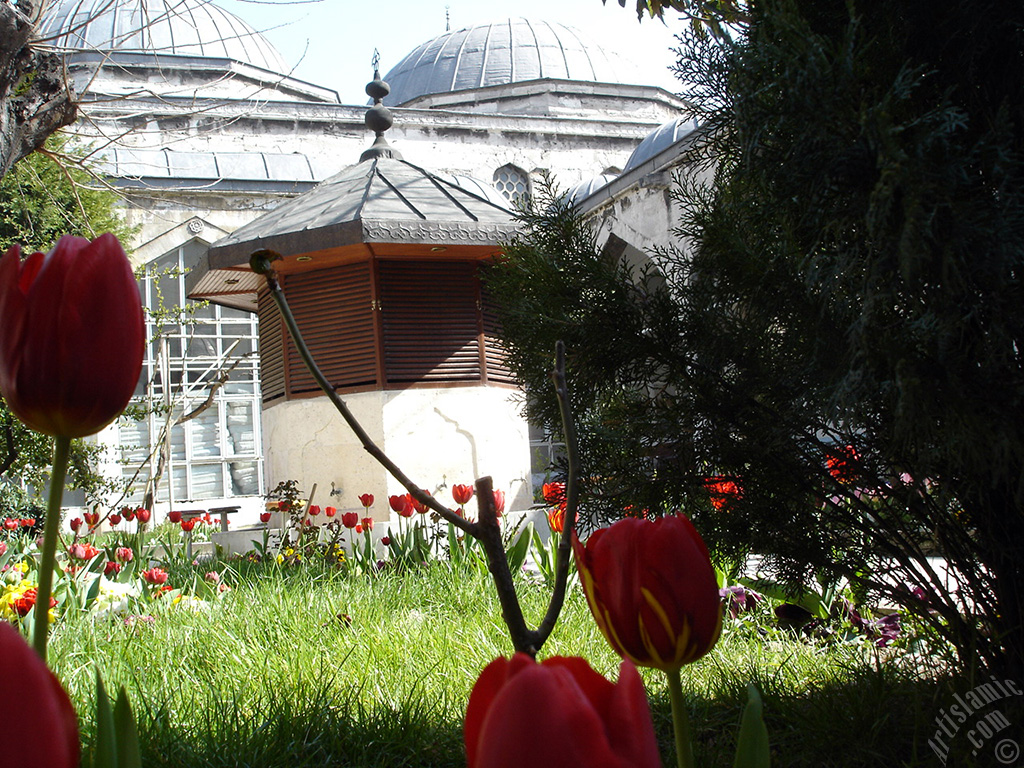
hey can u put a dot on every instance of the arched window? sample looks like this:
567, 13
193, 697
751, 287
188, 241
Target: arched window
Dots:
513, 183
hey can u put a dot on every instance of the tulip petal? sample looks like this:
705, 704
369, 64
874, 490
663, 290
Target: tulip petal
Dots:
41, 720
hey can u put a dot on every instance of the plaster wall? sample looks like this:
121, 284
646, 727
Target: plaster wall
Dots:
437, 436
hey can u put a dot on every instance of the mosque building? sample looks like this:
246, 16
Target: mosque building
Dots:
217, 150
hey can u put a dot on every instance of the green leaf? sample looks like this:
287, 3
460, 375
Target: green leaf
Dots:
752, 745
128, 753
93, 592
517, 552
105, 750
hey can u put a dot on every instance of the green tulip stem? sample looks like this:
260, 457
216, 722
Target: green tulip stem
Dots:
51, 532
680, 720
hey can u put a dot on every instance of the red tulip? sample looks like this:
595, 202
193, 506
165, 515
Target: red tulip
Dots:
462, 494
72, 341
385, 540
124, 554
842, 463
188, 525
367, 523
128, 514
83, 551
558, 713
314, 510
556, 519
265, 517
92, 519
652, 590
419, 506
142, 515
553, 493
350, 519
75, 523
174, 516
114, 520
366, 500
499, 502
22, 605
42, 729
155, 576
723, 491
402, 504
110, 568
332, 511
11, 524
359, 528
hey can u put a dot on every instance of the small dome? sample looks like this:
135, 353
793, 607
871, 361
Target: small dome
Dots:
175, 27
579, 192
660, 139
507, 51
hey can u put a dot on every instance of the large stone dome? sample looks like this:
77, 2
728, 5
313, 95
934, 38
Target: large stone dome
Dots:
174, 27
502, 52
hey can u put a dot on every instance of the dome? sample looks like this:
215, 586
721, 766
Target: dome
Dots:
660, 139
507, 51
584, 189
176, 27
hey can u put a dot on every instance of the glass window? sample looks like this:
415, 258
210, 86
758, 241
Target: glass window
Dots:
513, 183
202, 342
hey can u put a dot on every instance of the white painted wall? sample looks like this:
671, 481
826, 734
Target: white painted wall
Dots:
438, 436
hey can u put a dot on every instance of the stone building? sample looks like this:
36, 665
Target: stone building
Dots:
194, 118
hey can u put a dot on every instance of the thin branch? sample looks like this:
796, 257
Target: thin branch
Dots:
486, 530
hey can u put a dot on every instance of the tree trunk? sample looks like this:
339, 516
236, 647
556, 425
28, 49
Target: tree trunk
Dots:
35, 96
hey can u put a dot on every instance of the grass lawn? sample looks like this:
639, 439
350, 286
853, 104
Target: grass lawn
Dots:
308, 666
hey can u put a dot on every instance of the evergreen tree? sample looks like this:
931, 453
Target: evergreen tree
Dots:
842, 341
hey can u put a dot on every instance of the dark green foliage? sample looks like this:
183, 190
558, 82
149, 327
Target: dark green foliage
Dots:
855, 280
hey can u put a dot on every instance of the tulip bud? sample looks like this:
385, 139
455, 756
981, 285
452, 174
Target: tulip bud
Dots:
330, 511
350, 519
265, 517
42, 729
652, 589
142, 515
114, 520
73, 334
174, 516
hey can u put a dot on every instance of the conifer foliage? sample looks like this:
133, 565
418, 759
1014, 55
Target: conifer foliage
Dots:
842, 337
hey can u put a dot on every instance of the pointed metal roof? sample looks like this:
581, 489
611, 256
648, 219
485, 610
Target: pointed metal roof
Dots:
365, 208
378, 200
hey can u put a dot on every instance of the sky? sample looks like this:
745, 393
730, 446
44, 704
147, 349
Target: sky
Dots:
331, 42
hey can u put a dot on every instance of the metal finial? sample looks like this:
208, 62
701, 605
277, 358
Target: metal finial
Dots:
447, 19
378, 117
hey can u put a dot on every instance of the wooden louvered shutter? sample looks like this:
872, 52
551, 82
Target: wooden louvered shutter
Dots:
271, 341
333, 308
430, 320
498, 371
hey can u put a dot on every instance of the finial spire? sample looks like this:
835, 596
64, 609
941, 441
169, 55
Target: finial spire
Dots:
378, 117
